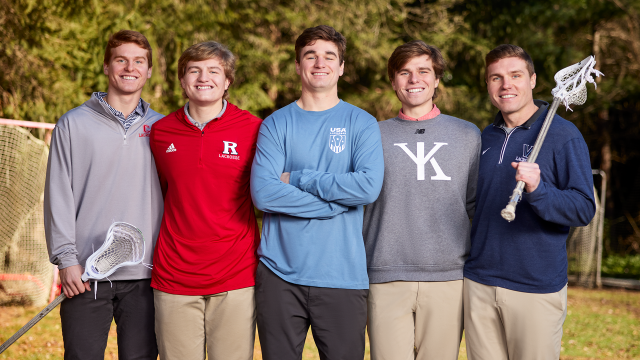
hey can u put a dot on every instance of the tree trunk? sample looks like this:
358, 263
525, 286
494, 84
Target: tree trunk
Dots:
603, 124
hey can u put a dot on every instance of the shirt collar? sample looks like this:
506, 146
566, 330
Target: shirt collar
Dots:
197, 124
137, 112
430, 115
542, 107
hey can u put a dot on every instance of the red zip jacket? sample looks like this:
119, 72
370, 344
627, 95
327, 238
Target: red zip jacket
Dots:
209, 234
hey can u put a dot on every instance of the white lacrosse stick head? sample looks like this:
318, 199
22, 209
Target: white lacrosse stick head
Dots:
571, 82
124, 245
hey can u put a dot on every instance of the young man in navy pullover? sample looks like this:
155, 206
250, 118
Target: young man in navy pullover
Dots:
515, 290
318, 161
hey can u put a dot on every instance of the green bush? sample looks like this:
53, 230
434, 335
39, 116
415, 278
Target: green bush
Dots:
621, 266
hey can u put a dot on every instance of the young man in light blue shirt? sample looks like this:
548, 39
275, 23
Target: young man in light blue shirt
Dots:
318, 161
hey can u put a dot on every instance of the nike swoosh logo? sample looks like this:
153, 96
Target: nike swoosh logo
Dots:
486, 150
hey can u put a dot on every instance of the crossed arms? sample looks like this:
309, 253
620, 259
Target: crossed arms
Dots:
315, 194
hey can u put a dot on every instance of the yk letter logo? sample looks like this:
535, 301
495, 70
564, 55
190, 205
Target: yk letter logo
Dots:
421, 160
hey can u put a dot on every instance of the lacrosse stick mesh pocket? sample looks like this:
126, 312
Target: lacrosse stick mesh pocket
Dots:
571, 82
124, 245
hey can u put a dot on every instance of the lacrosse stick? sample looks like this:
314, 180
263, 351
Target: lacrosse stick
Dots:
124, 245
571, 89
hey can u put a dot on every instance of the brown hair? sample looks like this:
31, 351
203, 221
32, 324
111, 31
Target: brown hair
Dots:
404, 53
506, 51
126, 37
321, 32
205, 51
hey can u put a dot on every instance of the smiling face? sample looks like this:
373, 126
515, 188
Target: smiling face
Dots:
319, 67
510, 89
415, 84
204, 82
128, 69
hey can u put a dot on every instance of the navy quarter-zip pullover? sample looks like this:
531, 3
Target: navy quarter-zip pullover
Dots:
529, 253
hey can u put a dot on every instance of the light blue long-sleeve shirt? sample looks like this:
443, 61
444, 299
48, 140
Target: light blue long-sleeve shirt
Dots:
312, 227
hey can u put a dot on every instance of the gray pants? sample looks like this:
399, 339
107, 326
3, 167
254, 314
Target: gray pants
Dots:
285, 311
86, 321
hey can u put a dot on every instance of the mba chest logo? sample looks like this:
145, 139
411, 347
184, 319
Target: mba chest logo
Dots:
421, 159
338, 139
526, 151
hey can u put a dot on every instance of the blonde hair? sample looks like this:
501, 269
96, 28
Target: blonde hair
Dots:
205, 51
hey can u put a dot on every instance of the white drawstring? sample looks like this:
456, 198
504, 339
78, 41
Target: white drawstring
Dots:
95, 288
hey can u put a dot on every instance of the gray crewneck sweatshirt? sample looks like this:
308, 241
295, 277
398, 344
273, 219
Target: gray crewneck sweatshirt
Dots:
418, 229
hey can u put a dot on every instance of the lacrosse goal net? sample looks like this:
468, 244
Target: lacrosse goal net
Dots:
26, 275
584, 245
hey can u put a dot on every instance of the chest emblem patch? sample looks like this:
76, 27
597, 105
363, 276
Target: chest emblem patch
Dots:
230, 151
337, 139
526, 150
146, 131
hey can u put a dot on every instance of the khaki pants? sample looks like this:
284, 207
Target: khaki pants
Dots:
506, 324
226, 322
415, 320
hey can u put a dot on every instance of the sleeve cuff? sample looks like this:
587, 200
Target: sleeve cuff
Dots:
538, 194
294, 178
67, 261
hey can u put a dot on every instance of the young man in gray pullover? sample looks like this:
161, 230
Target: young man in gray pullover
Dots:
417, 232
101, 170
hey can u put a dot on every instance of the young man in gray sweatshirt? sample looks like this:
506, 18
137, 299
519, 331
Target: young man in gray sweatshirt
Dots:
417, 232
101, 170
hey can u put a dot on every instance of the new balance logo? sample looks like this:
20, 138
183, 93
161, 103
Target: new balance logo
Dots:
419, 131
420, 159
171, 148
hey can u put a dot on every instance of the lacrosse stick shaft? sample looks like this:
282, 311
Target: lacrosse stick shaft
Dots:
32, 322
99, 265
509, 212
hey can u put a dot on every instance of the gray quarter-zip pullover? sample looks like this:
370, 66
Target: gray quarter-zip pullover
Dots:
99, 173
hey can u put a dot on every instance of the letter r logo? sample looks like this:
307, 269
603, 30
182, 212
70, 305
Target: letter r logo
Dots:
230, 148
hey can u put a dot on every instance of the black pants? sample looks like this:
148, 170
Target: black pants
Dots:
86, 321
285, 311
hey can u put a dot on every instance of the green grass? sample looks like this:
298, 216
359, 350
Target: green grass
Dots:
627, 266
601, 324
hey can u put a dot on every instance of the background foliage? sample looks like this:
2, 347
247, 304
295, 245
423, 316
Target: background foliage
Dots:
51, 60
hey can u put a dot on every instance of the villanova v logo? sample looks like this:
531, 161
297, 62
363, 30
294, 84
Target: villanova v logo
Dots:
420, 159
526, 150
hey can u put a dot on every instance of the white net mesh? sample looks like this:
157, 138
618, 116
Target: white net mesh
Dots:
571, 82
582, 250
124, 245
25, 271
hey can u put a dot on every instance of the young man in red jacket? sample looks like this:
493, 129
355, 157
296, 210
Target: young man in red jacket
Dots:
205, 260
